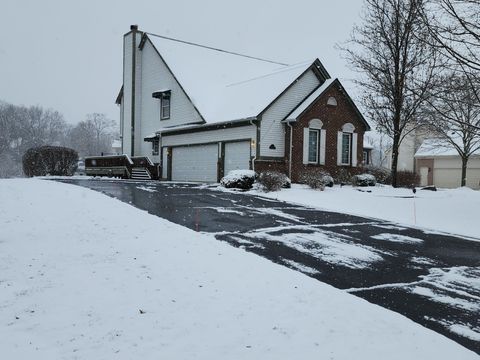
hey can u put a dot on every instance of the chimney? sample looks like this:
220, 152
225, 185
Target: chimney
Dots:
134, 27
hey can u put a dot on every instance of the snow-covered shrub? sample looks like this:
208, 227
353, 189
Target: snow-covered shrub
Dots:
273, 181
364, 180
407, 179
382, 175
317, 179
238, 179
50, 160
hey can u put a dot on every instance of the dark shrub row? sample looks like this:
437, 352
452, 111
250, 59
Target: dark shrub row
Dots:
50, 160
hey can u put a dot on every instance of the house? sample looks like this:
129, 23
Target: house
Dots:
439, 164
201, 112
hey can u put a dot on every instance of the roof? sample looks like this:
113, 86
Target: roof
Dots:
435, 147
225, 86
301, 108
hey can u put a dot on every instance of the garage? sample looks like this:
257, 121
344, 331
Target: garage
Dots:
195, 163
237, 156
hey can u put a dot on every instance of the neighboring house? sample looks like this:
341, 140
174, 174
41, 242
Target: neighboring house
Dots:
367, 153
117, 147
407, 149
201, 113
439, 164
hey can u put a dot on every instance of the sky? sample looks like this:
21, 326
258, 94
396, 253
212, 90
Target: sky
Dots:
67, 55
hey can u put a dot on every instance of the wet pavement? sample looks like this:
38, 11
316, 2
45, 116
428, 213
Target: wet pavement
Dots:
432, 278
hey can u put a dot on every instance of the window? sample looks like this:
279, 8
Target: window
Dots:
366, 160
165, 106
346, 148
155, 147
313, 138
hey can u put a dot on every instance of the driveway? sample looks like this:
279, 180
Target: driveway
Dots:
432, 278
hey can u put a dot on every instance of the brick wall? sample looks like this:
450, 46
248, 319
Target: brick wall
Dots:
333, 118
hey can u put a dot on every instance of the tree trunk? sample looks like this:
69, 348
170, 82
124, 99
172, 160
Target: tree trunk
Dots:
464, 171
395, 147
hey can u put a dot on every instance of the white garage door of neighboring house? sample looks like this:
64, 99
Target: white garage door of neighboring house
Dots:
237, 156
195, 163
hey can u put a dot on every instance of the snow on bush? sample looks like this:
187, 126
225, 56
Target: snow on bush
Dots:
239, 179
317, 179
273, 181
382, 175
364, 180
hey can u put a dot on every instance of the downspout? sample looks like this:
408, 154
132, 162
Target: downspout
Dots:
290, 151
255, 156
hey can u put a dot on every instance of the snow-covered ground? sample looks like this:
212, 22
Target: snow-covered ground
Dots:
85, 276
447, 210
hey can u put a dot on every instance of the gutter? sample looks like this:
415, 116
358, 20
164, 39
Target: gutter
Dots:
290, 151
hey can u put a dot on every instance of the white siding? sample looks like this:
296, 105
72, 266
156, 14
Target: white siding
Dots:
237, 133
272, 130
155, 76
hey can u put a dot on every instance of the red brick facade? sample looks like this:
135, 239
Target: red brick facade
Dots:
333, 118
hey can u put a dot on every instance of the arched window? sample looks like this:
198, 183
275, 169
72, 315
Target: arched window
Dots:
314, 143
332, 101
347, 146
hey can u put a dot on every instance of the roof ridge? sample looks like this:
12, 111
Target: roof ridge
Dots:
279, 71
216, 49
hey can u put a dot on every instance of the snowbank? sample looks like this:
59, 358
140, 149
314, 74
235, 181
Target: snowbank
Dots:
84, 276
447, 210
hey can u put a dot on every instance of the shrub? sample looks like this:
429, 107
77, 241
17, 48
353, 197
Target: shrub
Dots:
50, 160
364, 180
238, 179
382, 175
273, 181
317, 179
407, 179
343, 176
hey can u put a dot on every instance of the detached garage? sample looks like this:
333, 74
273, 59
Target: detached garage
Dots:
442, 166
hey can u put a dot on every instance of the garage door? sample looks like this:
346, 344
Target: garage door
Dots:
195, 163
237, 156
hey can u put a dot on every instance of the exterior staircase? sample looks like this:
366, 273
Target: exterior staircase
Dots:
140, 173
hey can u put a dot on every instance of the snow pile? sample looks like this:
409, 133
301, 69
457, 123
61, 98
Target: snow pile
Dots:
446, 210
84, 276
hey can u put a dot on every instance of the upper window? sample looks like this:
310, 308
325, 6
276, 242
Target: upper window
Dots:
165, 106
165, 97
346, 148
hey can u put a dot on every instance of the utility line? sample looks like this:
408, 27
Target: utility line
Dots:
216, 49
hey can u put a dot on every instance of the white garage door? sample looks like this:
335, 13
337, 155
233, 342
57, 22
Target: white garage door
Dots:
195, 163
237, 156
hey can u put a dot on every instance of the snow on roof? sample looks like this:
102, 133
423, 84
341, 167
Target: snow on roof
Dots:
437, 147
367, 145
309, 100
225, 86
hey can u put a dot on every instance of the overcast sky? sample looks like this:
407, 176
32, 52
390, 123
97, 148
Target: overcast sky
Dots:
67, 55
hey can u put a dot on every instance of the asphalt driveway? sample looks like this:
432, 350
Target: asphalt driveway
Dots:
432, 278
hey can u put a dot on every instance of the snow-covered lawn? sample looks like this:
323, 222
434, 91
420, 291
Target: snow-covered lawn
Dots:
85, 276
448, 210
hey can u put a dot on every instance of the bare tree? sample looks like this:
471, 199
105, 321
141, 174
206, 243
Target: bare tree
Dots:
454, 26
397, 68
454, 115
93, 136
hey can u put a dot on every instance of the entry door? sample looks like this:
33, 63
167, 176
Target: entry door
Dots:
237, 156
